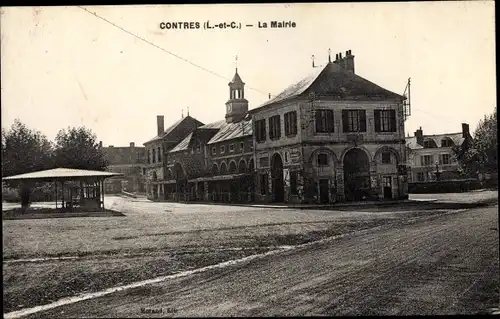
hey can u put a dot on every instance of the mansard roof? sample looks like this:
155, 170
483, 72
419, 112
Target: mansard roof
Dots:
457, 139
334, 81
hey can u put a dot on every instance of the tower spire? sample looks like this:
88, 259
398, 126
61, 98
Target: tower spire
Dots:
236, 63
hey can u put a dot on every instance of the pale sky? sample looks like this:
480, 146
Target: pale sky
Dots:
62, 66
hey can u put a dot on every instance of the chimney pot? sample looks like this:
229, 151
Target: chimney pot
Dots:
336, 57
160, 124
419, 134
132, 144
465, 130
347, 53
100, 144
340, 55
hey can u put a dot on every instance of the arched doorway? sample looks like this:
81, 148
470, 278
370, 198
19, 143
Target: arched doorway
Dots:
277, 178
356, 175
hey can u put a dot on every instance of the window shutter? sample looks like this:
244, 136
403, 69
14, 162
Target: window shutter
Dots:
329, 121
345, 119
440, 159
287, 123
362, 121
376, 114
319, 127
393, 120
278, 126
294, 123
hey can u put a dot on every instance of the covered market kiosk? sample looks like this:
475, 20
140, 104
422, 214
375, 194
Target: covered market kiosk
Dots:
72, 187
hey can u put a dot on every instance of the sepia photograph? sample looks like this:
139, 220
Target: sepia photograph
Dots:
249, 160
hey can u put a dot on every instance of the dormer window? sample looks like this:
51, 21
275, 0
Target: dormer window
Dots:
214, 150
231, 148
429, 143
447, 142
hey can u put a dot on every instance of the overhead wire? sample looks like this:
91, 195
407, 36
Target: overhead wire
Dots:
163, 49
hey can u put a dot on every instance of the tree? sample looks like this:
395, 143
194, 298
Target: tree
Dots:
479, 155
23, 151
78, 148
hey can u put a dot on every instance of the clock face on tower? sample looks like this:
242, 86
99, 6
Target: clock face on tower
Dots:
229, 108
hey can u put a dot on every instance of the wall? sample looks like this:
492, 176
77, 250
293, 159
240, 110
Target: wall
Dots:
279, 109
308, 144
227, 157
415, 162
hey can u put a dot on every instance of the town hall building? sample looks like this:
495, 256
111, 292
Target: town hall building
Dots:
333, 136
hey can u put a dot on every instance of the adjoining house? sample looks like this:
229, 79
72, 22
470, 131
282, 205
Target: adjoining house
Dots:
127, 161
154, 168
215, 161
333, 136
430, 157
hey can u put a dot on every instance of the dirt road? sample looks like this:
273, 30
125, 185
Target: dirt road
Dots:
443, 265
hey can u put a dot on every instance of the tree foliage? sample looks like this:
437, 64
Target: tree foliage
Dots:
78, 148
25, 150
480, 154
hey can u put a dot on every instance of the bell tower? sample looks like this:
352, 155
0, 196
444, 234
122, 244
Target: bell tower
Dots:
237, 105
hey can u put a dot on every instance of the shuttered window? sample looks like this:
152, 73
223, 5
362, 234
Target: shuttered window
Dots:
324, 121
274, 127
385, 120
291, 123
260, 130
354, 121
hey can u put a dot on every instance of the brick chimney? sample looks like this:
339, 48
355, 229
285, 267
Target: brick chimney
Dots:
160, 124
465, 130
132, 144
346, 62
419, 134
100, 144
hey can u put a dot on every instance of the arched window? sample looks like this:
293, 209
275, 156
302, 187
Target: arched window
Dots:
223, 169
429, 143
447, 142
232, 167
242, 168
215, 169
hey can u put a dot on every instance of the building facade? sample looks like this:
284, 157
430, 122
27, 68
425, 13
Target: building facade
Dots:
431, 158
332, 136
154, 167
129, 162
215, 161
